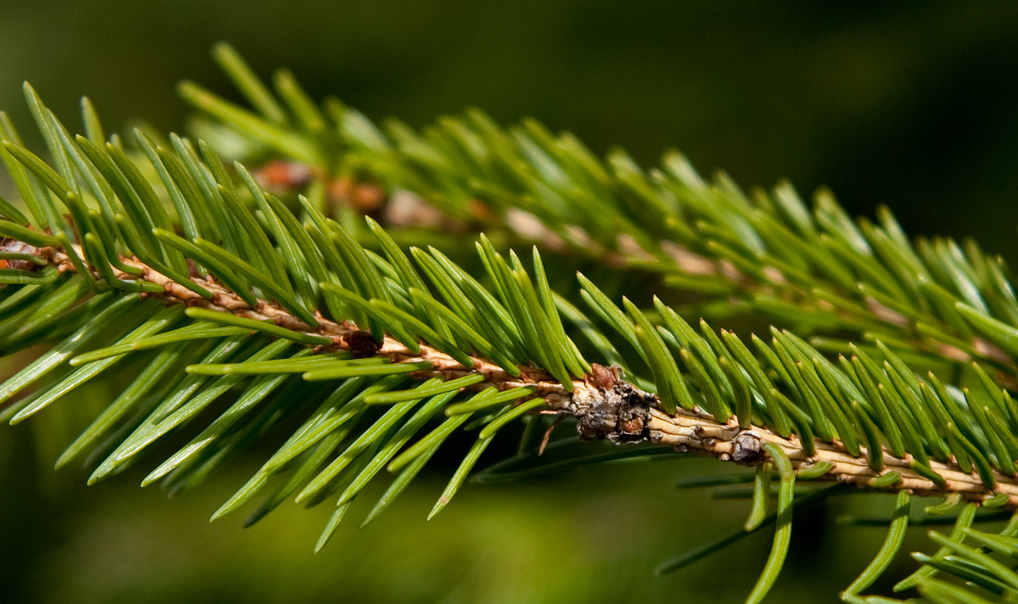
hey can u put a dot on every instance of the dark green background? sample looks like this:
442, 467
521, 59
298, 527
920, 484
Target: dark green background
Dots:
909, 104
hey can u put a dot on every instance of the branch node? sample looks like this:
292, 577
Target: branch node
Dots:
608, 407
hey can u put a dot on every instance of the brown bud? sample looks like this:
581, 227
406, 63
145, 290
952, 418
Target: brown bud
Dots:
602, 377
361, 343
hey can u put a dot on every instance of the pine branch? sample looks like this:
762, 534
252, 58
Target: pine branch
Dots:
166, 253
816, 270
604, 405
327, 336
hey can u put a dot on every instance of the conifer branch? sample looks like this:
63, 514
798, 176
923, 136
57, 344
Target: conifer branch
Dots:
604, 404
765, 252
343, 336
166, 253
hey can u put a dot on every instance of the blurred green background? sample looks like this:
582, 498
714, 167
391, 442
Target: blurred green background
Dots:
911, 104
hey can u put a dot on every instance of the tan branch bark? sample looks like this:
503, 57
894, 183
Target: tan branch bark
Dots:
692, 432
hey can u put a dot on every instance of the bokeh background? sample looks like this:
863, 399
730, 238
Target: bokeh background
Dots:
910, 104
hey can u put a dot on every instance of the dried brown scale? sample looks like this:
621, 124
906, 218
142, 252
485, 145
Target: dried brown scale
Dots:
17, 247
605, 405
